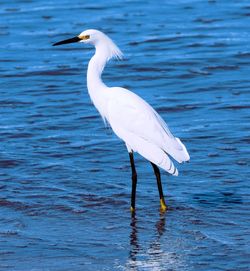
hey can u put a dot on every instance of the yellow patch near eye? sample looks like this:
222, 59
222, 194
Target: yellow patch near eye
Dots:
86, 37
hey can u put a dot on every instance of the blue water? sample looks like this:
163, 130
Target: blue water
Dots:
65, 178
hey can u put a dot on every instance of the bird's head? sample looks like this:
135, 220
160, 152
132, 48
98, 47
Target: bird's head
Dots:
88, 36
98, 39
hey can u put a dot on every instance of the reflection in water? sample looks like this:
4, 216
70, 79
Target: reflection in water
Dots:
55, 156
135, 248
160, 225
154, 251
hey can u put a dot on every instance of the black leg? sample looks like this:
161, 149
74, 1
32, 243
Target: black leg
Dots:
158, 178
134, 181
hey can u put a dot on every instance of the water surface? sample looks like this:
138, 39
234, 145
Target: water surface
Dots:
65, 178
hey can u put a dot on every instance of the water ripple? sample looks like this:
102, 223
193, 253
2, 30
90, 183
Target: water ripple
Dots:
65, 179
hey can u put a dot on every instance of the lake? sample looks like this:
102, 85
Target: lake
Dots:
65, 179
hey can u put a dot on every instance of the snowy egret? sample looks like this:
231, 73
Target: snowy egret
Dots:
131, 118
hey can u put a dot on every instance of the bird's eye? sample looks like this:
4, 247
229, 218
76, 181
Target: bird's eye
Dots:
86, 37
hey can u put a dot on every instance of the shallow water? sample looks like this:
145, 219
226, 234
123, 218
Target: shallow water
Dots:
65, 178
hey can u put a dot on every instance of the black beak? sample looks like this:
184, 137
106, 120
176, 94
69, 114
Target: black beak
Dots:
75, 39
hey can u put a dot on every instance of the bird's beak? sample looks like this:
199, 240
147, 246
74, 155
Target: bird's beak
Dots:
75, 39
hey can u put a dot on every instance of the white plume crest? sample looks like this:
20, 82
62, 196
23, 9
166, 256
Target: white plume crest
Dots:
113, 50
104, 45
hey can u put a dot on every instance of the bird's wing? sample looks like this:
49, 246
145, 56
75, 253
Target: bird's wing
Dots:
128, 113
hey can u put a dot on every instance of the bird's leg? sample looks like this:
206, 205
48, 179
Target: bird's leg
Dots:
134, 182
158, 178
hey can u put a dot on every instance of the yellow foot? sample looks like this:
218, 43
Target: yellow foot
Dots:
132, 210
163, 205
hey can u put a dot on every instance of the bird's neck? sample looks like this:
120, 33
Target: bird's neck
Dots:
96, 88
95, 68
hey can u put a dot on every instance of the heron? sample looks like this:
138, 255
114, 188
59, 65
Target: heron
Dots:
131, 118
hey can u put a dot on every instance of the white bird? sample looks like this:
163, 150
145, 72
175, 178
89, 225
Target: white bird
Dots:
131, 118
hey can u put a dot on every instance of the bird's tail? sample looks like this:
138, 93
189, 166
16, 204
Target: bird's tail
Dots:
177, 150
169, 166
184, 155
154, 154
